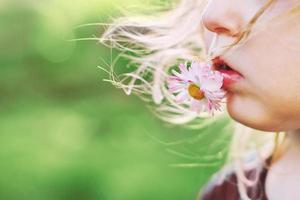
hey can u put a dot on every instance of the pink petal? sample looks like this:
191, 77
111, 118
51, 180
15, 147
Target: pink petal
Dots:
182, 97
176, 88
196, 106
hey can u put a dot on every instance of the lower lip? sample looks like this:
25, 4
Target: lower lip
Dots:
230, 77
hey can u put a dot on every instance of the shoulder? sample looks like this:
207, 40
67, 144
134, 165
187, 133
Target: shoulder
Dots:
223, 185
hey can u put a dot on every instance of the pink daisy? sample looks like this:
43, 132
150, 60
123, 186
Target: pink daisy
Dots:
197, 86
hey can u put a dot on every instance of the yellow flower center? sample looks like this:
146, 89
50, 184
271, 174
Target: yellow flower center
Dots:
195, 92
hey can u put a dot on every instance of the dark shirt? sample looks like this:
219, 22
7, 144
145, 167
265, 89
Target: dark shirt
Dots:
227, 189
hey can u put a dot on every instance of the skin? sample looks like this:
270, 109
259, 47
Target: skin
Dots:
268, 98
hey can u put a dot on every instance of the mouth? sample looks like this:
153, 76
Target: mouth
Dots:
229, 73
219, 64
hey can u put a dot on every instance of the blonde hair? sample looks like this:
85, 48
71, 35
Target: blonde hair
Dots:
154, 44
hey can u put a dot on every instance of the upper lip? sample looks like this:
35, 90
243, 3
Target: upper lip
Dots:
217, 61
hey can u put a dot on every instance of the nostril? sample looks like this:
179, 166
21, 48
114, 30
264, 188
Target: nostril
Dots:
226, 27
220, 30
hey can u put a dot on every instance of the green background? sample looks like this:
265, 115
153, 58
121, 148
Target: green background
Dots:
67, 135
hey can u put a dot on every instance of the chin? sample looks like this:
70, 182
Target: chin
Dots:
250, 113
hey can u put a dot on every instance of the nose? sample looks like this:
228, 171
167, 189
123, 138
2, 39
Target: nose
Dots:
223, 18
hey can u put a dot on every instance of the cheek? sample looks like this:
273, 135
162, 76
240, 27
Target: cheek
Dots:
273, 52
271, 65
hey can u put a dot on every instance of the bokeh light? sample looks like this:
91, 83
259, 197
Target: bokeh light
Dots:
67, 135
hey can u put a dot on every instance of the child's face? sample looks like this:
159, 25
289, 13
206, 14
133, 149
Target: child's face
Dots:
268, 98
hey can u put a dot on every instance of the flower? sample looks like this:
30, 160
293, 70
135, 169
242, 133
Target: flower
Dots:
197, 86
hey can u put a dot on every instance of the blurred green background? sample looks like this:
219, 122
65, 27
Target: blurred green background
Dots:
67, 135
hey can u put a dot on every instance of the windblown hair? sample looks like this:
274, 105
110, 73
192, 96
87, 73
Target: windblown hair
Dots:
154, 44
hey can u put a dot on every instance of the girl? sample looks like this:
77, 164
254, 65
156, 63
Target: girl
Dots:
259, 39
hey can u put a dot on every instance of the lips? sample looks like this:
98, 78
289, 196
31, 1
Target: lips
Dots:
219, 64
229, 73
